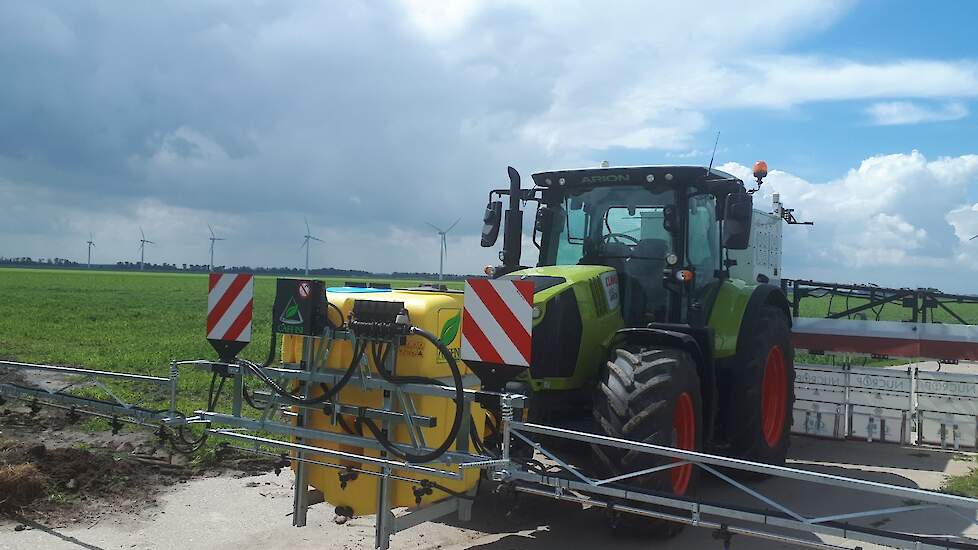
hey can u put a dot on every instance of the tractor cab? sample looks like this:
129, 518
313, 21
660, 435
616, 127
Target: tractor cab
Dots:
663, 229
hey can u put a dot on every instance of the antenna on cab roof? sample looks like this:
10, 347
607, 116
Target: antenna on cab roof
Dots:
714, 154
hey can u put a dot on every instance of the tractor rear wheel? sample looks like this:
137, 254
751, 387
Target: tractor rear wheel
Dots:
650, 395
757, 394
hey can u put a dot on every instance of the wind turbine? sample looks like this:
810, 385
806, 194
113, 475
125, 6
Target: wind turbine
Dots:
143, 241
443, 253
973, 238
91, 243
305, 242
213, 238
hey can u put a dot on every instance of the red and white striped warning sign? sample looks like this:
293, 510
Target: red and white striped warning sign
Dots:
497, 321
229, 305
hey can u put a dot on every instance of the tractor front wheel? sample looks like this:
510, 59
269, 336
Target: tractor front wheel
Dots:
653, 396
757, 393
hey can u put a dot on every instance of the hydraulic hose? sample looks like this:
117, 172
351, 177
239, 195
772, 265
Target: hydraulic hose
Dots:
299, 400
459, 399
381, 358
295, 399
180, 442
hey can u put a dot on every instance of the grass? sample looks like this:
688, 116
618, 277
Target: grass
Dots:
123, 321
965, 485
138, 322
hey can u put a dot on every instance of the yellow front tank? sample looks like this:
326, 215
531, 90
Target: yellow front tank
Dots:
439, 313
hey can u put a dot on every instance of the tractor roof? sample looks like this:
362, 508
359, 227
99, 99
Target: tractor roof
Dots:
714, 179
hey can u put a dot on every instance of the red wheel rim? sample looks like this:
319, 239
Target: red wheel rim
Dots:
684, 427
774, 396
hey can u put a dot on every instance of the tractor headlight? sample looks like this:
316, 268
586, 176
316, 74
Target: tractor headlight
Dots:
537, 312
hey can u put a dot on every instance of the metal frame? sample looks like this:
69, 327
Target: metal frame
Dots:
921, 302
576, 486
570, 483
398, 407
114, 408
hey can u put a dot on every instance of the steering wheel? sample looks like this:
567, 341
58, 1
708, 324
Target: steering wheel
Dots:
607, 238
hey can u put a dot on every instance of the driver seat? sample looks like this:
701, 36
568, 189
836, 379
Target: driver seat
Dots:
643, 272
639, 276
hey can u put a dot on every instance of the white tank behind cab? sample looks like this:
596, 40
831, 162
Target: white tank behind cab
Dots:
762, 259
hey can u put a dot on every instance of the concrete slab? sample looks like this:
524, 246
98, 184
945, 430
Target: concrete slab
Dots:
225, 513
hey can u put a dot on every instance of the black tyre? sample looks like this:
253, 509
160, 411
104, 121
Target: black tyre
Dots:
650, 395
757, 393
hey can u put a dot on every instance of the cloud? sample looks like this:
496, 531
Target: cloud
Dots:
964, 220
783, 81
373, 118
879, 221
893, 113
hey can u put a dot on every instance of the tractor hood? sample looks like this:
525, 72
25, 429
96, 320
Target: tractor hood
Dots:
552, 280
575, 312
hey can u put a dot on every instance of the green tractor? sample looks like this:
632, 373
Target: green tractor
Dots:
654, 313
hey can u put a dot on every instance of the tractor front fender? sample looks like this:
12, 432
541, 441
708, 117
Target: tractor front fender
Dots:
698, 342
763, 295
736, 305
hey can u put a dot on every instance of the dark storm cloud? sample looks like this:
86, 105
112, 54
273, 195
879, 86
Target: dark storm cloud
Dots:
344, 114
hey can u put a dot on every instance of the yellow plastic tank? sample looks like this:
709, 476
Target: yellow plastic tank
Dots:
436, 312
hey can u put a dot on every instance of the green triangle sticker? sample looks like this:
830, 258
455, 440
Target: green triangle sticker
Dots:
291, 315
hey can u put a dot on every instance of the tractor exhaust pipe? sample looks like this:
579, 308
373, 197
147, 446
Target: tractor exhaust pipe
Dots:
513, 228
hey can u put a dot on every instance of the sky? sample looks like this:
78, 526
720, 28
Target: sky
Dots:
371, 119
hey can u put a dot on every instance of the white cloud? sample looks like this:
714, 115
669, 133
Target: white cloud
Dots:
887, 213
964, 220
891, 113
372, 118
785, 81
643, 87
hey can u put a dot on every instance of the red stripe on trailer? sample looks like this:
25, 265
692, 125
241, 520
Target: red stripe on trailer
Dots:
215, 314
239, 324
477, 339
892, 347
939, 349
895, 347
213, 279
890, 338
504, 315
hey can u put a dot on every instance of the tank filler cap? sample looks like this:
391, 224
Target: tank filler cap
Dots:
605, 164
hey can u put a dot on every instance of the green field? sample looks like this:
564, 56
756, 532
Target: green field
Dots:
138, 322
133, 322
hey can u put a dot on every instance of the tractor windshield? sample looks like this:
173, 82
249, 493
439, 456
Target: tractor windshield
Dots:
624, 227
609, 223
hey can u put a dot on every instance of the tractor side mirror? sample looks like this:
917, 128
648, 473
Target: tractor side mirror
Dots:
492, 220
545, 216
737, 214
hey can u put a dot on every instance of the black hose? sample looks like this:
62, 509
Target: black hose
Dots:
380, 359
192, 446
298, 400
459, 399
271, 351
